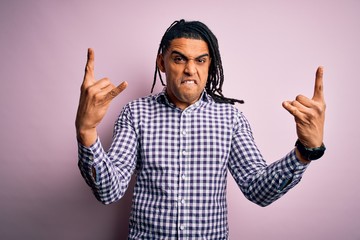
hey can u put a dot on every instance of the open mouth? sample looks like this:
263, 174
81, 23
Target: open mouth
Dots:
188, 82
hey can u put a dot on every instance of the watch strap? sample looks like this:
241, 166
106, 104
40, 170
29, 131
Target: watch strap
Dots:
310, 153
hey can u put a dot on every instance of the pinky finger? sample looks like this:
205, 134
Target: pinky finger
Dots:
116, 91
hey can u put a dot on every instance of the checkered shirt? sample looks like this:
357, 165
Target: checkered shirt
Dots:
181, 158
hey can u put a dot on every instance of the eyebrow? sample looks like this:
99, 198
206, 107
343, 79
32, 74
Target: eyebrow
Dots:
183, 55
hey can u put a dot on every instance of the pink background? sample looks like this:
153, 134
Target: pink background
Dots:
270, 52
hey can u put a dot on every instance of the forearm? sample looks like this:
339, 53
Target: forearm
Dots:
276, 179
107, 180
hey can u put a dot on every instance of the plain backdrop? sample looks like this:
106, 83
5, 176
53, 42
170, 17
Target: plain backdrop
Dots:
270, 52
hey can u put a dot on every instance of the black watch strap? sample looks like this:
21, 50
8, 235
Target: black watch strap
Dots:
310, 153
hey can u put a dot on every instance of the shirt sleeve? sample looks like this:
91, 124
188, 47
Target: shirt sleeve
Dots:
109, 173
259, 182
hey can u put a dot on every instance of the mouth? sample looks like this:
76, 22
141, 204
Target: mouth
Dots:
188, 81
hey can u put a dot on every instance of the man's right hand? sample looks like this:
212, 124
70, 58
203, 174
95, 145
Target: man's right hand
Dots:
95, 98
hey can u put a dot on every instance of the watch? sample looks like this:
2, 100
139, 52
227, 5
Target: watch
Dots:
310, 153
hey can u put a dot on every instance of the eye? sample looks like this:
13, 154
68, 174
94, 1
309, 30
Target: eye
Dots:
179, 59
202, 60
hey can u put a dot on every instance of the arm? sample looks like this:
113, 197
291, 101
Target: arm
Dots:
264, 184
259, 182
108, 174
102, 172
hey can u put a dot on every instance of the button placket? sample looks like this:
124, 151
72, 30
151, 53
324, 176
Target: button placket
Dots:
183, 161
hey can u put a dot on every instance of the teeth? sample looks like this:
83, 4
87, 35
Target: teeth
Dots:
188, 82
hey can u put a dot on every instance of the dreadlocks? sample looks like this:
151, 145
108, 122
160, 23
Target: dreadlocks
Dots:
198, 30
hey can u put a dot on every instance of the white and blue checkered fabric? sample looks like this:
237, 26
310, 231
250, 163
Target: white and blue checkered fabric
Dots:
181, 159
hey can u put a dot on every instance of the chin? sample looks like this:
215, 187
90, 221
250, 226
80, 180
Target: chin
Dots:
190, 99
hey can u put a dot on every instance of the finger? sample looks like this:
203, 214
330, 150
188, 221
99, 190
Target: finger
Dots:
318, 89
292, 109
103, 83
302, 108
89, 76
304, 101
116, 91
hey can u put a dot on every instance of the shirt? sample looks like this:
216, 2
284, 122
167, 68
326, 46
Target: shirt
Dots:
181, 159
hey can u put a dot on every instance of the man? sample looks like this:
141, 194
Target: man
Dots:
180, 143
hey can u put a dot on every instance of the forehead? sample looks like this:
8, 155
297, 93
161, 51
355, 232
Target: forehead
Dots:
188, 47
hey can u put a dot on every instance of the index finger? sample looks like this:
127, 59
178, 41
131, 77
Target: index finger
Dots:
89, 68
319, 87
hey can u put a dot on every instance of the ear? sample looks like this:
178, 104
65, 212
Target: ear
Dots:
160, 62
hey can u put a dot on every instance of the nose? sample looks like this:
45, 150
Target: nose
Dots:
190, 68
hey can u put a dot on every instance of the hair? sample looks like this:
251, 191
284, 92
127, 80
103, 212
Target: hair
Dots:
197, 30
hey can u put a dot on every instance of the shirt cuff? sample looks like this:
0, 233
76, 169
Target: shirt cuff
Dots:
293, 172
89, 158
92, 154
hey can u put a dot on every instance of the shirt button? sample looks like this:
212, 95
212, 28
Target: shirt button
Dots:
182, 201
184, 153
183, 132
182, 227
183, 176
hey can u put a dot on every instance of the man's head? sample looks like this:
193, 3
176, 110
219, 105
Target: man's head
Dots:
186, 65
194, 30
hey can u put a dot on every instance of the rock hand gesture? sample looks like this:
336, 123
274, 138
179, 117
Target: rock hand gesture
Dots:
95, 98
309, 114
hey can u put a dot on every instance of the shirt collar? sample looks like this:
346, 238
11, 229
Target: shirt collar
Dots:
163, 98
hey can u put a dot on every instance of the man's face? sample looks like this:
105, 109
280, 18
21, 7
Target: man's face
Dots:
186, 65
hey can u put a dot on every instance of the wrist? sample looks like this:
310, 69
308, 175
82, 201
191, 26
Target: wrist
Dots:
300, 157
86, 137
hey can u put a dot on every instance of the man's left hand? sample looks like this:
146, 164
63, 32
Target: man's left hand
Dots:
309, 114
